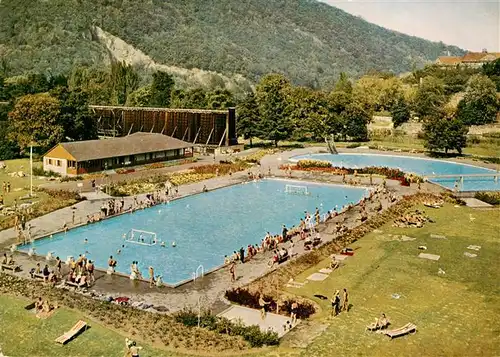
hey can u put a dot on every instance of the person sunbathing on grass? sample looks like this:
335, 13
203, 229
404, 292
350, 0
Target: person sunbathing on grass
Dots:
382, 322
334, 264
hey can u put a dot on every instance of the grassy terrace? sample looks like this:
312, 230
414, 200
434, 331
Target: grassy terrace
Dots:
456, 314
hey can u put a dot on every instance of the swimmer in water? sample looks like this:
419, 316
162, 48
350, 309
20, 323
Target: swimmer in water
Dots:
124, 235
162, 244
174, 244
85, 241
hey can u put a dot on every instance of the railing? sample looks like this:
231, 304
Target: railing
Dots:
199, 273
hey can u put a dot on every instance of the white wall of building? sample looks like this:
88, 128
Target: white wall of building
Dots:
55, 165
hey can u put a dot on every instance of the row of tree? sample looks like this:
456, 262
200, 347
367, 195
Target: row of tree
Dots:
279, 111
48, 109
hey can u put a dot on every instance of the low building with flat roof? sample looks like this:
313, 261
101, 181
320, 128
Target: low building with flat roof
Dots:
81, 157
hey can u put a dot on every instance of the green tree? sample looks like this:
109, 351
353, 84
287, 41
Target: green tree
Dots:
492, 70
308, 113
75, 116
161, 89
400, 112
35, 119
123, 80
140, 97
355, 119
429, 97
480, 103
219, 99
248, 118
444, 132
8, 148
272, 98
344, 84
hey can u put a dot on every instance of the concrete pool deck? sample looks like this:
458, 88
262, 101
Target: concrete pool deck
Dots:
210, 289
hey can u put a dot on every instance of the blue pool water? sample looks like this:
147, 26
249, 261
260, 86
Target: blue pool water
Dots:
419, 166
205, 227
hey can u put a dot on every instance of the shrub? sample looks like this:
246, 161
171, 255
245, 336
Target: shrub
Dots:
252, 334
244, 297
304, 164
493, 198
39, 171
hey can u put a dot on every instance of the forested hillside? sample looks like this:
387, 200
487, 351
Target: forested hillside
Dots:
308, 41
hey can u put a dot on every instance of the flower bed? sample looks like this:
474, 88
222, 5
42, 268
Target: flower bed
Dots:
124, 171
244, 297
304, 164
252, 334
319, 166
154, 183
493, 198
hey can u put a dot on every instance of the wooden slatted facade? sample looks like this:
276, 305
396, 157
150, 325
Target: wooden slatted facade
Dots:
204, 127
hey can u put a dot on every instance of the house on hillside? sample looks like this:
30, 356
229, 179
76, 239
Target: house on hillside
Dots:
81, 157
470, 59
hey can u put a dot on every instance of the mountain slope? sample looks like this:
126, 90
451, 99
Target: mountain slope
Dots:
310, 42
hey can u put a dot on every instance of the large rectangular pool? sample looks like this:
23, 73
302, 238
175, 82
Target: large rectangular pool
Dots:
205, 227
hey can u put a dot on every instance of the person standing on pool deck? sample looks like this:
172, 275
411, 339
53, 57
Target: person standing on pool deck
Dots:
284, 233
151, 277
232, 271
242, 255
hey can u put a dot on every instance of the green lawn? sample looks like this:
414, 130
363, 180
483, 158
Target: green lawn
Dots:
22, 334
456, 314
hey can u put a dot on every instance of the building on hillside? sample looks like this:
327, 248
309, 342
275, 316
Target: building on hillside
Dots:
215, 128
470, 59
81, 157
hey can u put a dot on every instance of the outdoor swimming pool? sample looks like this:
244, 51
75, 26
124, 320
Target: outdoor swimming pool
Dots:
419, 166
205, 227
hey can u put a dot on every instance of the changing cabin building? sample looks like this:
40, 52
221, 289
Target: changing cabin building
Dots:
81, 157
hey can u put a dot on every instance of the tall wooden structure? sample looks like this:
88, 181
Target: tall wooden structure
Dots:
198, 126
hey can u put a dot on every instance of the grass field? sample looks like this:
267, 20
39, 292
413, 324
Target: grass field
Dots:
457, 314
20, 189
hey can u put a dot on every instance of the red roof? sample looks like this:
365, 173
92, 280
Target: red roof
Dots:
449, 60
480, 56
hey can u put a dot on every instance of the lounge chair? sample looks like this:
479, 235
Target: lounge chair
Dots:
75, 330
408, 328
14, 268
76, 285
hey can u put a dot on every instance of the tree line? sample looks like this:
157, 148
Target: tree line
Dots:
46, 109
278, 110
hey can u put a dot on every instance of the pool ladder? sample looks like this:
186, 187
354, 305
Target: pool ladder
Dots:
199, 273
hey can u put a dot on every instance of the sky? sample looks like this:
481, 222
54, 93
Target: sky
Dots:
469, 24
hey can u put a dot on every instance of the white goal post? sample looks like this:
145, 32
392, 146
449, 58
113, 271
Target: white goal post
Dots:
137, 236
296, 190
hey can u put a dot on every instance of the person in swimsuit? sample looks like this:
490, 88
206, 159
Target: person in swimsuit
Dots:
263, 303
232, 271
293, 312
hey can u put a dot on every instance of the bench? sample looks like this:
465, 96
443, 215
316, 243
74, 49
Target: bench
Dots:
13, 268
408, 328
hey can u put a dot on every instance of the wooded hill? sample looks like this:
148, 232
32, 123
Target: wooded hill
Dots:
308, 41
